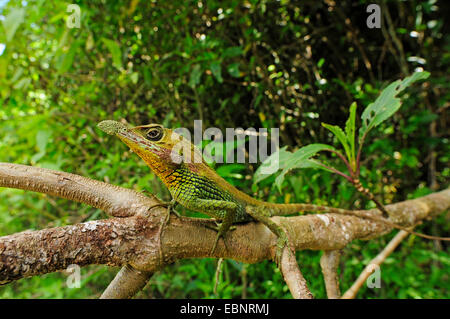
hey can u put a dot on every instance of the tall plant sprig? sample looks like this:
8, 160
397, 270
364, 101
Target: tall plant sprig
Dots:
373, 115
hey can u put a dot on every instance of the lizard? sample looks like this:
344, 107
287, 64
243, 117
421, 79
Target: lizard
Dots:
193, 184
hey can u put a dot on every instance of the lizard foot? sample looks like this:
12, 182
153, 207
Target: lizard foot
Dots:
282, 237
170, 209
282, 242
165, 221
220, 233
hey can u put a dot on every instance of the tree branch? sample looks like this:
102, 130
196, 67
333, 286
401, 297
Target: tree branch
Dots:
293, 277
329, 262
378, 260
114, 200
127, 283
134, 240
112, 242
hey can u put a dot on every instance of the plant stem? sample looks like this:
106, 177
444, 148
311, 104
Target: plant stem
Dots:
335, 171
367, 193
358, 156
342, 157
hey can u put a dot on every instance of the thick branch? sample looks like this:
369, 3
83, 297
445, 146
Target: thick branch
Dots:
134, 240
112, 242
114, 200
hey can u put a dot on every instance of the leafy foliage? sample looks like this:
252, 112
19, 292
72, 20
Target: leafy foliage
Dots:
386, 104
272, 64
384, 107
287, 161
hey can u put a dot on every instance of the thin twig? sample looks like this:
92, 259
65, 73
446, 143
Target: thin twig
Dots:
358, 156
217, 276
293, 277
335, 171
367, 193
377, 261
342, 157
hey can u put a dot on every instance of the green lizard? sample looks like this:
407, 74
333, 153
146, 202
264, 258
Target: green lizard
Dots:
194, 185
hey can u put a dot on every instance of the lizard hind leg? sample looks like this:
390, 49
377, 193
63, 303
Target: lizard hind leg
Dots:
282, 237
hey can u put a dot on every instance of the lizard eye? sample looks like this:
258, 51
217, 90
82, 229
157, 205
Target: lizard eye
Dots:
154, 134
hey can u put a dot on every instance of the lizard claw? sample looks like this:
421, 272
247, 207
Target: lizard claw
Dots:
220, 233
282, 242
215, 243
170, 209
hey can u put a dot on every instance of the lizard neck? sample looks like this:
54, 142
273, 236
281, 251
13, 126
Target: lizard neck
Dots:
162, 165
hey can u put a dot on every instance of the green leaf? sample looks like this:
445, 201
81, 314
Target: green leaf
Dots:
307, 163
115, 51
233, 69
350, 129
147, 75
36, 157
301, 159
286, 161
134, 77
68, 58
386, 104
232, 171
232, 52
22, 84
321, 62
416, 76
196, 74
276, 159
216, 71
12, 21
42, 139
339, 133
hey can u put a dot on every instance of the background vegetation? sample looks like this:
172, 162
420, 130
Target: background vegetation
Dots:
286, 64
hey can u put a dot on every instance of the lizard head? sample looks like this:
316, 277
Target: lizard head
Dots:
158, 146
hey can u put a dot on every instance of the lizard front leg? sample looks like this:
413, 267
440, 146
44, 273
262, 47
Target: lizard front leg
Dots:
170, 208
220, 209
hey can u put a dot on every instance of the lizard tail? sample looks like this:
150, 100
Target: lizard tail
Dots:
289, 209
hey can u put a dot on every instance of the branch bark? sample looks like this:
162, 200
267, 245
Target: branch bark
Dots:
127, 283
377, 261
329, 262
293, 277
114, 200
